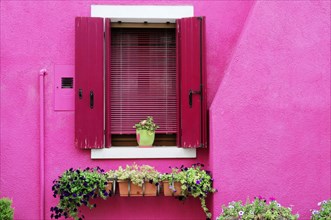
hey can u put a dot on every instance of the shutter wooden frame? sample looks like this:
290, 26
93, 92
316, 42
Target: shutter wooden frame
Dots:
89, 94
107, 82
192, 82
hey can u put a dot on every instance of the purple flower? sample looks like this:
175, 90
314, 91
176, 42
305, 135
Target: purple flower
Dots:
198, 182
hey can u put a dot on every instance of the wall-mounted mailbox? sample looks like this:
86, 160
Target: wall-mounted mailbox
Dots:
64, 91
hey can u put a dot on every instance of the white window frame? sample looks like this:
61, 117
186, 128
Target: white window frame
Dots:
138, 14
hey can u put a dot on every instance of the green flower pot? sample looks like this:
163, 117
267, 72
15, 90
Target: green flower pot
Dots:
145, 138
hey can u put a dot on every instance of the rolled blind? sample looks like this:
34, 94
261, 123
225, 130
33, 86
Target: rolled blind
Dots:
143, 78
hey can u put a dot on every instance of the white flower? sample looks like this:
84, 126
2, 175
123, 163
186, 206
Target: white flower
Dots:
231, 206
319, 204
324, 202
298, 215
241, 213
315, 212
279, 205
289, 208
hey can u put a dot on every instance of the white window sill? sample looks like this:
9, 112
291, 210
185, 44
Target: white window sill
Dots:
139, 153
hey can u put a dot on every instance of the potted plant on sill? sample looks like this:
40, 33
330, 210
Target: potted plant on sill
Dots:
257, 209
75, 188
194, 181
137, 180
145, 132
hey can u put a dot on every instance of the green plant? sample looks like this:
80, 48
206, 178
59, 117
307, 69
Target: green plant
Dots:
150, 174
138, 174
147, 124
257, 209
324, 213
176, 175
6, 211
75, 188
194, 181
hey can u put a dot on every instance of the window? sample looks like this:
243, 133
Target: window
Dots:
143, 81
159, 71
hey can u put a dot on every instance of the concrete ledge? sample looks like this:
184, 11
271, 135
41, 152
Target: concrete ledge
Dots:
136, 153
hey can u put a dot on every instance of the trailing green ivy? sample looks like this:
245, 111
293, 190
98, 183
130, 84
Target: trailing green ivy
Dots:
195, 181
75, 188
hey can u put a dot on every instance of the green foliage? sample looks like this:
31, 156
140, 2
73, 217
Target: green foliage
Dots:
258, 209
324, 213
150, 174
75, 188
138, 174
147, 124
195, 182
176, 175
6, 211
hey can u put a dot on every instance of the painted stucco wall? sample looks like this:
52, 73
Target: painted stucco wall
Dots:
40, 34
270, 119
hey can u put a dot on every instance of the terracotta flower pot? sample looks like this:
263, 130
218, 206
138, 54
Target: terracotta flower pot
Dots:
145, 138
150, 189
168, 192
109, 187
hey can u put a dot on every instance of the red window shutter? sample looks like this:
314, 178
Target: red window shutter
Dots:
143, 79
89, 83
191, 70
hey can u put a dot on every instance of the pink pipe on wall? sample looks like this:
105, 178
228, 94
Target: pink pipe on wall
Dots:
42, 74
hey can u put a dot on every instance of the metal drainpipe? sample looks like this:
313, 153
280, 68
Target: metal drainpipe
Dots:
42, 74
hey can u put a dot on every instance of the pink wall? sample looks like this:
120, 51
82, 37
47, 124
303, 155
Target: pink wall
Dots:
38, 34
270, 119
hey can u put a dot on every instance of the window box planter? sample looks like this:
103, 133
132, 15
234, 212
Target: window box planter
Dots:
127, 188
172, 189
110, 187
